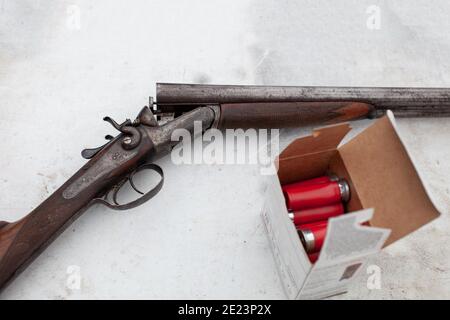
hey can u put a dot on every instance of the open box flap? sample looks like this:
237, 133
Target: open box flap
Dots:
386, 179
324, 138
322, 141
391, 117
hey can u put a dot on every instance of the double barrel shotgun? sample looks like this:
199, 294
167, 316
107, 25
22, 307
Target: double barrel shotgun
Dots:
148, 137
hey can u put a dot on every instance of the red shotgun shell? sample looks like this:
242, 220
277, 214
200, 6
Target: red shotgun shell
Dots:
323, 179
316, 214
316, 195
313, 257
313, 235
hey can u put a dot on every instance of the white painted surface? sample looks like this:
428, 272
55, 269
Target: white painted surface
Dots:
202, 237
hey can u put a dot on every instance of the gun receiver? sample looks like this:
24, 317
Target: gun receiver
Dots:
111, 166
143, 140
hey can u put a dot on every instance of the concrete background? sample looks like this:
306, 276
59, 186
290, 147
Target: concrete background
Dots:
64, 65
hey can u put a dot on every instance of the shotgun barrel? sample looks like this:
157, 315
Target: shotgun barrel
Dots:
404, 102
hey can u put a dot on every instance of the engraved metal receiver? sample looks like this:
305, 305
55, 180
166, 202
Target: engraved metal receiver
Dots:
146, 127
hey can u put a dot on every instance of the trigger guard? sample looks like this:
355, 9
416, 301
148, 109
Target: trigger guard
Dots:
130, 179
139, 201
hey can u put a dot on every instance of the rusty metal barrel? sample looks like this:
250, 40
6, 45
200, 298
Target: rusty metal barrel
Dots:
404, 102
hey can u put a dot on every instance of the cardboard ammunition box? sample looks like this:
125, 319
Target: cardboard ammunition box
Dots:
386, 190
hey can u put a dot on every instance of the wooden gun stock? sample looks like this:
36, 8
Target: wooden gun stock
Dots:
98, 181
290, 114
22, 241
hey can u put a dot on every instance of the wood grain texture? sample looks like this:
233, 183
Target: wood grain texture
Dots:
22, 241
290, 114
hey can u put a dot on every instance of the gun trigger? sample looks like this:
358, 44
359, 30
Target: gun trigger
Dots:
115, 190
133, 186
112, 193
